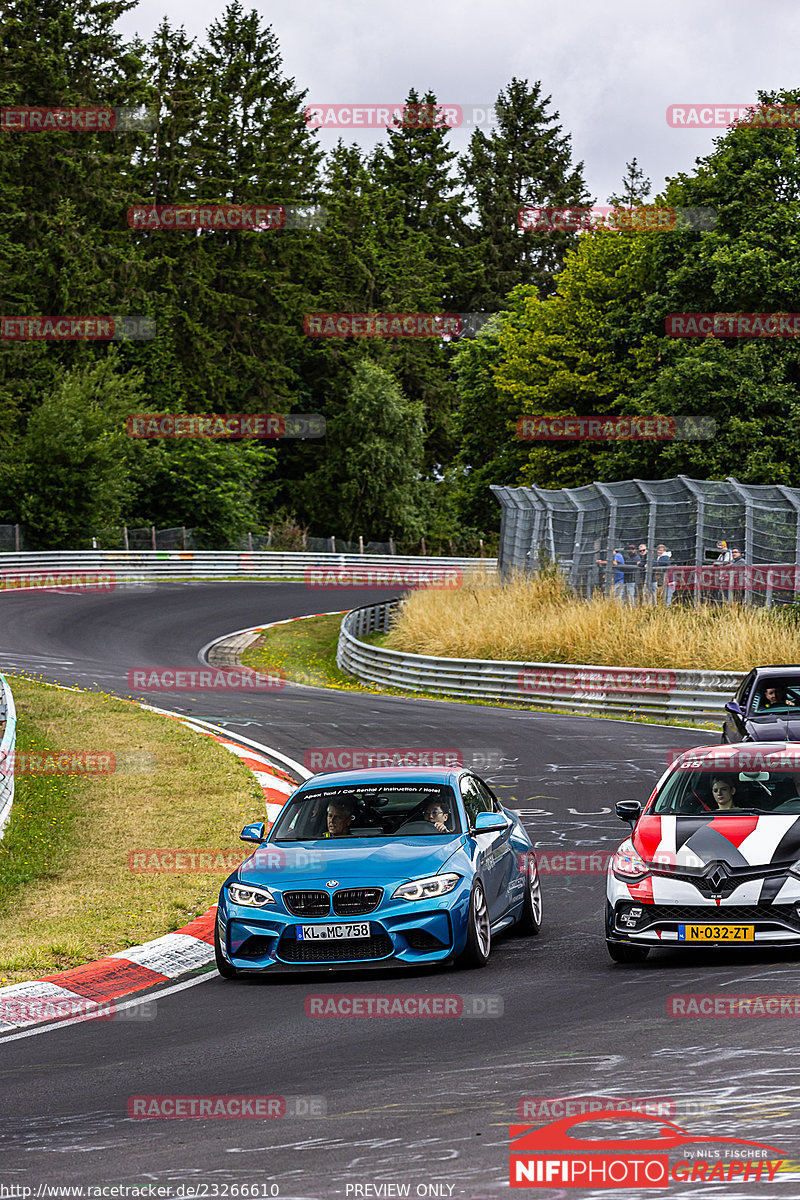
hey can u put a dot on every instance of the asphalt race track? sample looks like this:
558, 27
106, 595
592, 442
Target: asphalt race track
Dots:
418, 1102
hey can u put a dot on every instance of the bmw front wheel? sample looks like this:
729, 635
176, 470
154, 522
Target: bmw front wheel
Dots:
530, 921
223, 966
479, 931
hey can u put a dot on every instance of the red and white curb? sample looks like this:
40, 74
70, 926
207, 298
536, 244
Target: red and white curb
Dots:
89, 991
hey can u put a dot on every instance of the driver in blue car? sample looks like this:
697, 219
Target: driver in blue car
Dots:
340, 818
437, 814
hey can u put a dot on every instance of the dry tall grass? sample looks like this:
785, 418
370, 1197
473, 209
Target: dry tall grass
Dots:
538, 620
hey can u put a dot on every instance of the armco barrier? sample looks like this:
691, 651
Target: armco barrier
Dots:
8, 714
686, 695
149, 566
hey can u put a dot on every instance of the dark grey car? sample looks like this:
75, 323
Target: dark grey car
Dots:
766, 707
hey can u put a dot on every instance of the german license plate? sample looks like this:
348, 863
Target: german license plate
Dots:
328, 933
715, 933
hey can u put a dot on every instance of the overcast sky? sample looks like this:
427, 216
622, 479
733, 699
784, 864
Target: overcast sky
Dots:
611, 67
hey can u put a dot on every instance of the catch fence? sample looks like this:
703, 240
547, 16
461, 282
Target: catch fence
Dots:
581, 530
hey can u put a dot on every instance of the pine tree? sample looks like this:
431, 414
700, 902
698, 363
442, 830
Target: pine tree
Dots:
526, 161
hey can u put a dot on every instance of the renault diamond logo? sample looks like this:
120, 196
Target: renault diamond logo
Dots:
718, 876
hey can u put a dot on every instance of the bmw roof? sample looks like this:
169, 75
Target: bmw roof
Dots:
387, 775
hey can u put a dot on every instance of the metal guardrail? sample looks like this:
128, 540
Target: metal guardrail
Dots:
146, 566
568, 687
8, 715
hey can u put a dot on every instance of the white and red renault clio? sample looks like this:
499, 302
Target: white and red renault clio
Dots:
714, 858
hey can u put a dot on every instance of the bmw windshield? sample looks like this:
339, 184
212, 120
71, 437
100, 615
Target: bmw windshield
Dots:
369, 811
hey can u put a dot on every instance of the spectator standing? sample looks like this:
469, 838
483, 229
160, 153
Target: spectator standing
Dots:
663, 561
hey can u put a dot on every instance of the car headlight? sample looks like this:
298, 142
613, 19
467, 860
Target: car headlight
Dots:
240, 893
424, 889
627, 863
794, 869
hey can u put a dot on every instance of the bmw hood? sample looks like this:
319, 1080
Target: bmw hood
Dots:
739, 841
774, 729
365, 860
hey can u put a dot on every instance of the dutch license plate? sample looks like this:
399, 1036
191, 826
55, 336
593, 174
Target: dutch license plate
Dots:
715, 933
327, 933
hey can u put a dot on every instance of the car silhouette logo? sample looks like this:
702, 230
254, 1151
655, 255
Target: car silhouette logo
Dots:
331, 883
555, 1136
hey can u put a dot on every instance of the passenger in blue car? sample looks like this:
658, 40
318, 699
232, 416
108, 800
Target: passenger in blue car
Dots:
437, 814
340, 818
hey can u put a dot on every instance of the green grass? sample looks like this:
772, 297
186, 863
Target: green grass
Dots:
42, 827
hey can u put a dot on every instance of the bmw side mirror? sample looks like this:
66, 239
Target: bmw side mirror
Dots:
489, 822
253, 832
733, 707
628, 810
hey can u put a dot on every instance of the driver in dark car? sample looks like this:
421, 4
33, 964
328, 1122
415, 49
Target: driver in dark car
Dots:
775, 697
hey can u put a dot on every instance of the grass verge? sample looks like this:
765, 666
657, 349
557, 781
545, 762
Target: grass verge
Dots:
67, 895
